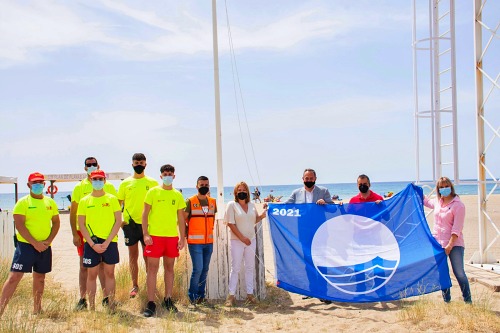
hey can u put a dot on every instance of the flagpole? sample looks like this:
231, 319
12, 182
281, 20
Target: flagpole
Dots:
218, 135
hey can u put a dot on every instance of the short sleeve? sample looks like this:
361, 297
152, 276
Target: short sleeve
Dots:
76, 193
20, 208
229, 215
149, 197
121, 191
55, 209
115, 204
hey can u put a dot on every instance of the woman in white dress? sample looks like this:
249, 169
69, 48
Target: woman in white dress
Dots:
241, 217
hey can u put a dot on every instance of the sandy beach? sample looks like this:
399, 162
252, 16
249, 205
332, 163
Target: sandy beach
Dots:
283, 311
289, 312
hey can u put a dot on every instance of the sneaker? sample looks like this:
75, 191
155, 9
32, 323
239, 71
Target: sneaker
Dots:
230, 301
134, 292
81, 305
105, 301
150, 309
251, 299
168, 304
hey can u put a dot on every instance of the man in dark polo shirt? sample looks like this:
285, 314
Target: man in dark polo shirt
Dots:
365, 194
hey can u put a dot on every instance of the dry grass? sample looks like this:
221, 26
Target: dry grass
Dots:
435, 315
422, 313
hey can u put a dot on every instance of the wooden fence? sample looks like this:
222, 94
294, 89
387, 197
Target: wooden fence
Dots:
220, 266
7, 241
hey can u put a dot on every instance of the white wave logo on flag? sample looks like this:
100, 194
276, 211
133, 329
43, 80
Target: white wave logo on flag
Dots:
355, 254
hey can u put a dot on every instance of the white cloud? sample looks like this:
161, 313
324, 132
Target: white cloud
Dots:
28, 31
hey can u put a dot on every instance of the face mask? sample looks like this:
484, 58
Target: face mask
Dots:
203, 190
37, 189
90, 169
363, 188
309, 184
98, 184
167, 180
445, 191
139, 169
242, 195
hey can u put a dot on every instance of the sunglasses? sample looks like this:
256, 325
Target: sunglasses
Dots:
90, 165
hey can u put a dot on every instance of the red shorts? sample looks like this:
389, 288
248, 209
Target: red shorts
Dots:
162, 247
80, 248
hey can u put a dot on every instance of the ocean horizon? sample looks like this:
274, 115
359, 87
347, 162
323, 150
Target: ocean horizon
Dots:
343, 190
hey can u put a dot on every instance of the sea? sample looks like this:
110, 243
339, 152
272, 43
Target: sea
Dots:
343, 190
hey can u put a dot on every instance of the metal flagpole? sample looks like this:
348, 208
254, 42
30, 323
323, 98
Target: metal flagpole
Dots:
218, 135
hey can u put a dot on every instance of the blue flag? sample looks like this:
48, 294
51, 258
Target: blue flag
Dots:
358, 252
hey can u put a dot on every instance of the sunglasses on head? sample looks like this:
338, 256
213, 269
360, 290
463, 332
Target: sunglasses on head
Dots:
90, 164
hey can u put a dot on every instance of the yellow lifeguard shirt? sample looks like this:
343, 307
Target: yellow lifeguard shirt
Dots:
84, 188
100, 214
162, 220
133, 191
38, 214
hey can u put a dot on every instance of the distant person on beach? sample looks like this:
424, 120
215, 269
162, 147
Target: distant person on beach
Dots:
131, 194
365, 194
37, 222
449, 219
82, 189
200, 219
310, 193
256, 195
164, 228
100, 219
241, 217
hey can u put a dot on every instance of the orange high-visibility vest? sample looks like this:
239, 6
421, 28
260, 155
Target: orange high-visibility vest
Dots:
201, 222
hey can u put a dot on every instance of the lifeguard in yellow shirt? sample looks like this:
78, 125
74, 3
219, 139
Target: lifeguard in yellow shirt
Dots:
164, 230
37, 222
82, 189
100, 219
131, 194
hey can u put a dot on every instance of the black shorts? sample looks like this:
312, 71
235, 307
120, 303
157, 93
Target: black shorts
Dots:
92, 258
27, 259
132, 233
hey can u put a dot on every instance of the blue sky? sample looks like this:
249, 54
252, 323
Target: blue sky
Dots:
325, 85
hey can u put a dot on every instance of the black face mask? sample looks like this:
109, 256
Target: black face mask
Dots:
242, 195
203, 190
363, 188
309, 184
139, 169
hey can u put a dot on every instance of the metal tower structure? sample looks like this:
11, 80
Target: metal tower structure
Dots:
486, 50
434, 71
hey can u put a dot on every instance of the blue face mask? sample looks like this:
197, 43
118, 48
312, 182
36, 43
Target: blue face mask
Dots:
37, 189
167, 180
98, 184
90, 169
445, 191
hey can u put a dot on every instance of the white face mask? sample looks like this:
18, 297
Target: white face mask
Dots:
168, 180
90, 169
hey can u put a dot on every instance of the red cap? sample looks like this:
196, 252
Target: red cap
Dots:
36, 176
97, 174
